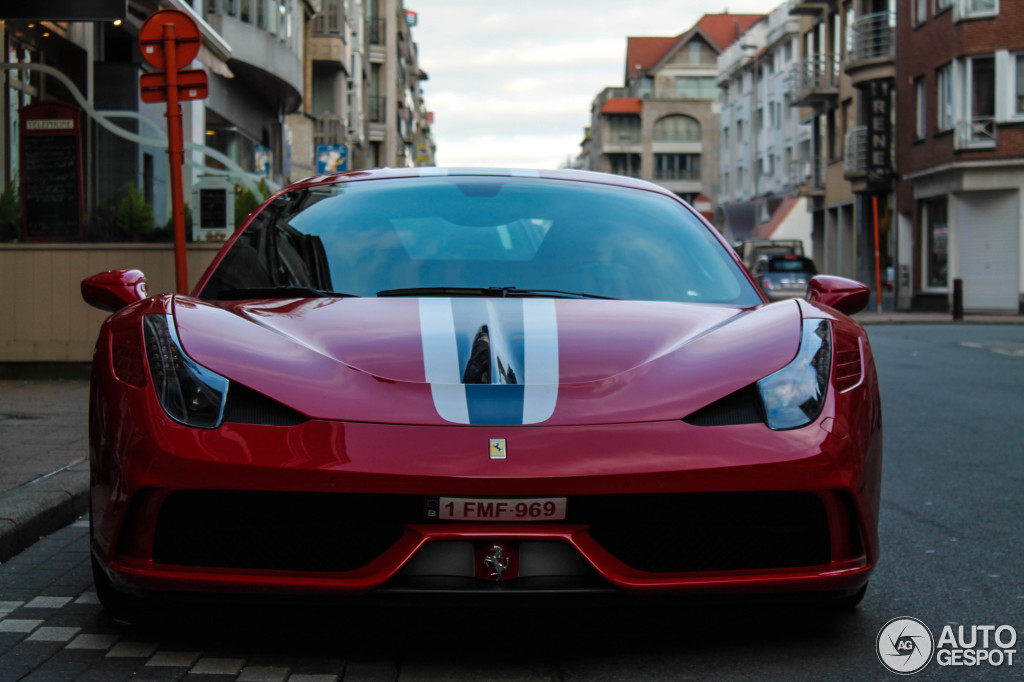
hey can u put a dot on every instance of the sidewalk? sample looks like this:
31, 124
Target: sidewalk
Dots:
44, 447
44, 458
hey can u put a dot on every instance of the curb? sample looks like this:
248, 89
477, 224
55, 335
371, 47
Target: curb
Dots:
41, 507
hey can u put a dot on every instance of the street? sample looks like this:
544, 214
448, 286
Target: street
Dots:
951, 527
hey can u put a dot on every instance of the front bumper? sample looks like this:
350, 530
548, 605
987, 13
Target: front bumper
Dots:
139, 476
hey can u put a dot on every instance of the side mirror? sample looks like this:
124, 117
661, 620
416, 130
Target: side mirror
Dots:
845, 295
114, 289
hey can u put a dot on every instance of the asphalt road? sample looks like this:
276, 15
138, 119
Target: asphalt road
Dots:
952, 530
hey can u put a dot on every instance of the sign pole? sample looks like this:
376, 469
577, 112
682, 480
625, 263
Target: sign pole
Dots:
176, 155
878, 274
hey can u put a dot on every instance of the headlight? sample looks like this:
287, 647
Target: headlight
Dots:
794, 395
188, 392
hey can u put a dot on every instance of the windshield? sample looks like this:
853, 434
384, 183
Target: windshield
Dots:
480, 232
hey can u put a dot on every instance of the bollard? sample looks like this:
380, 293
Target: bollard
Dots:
958, 299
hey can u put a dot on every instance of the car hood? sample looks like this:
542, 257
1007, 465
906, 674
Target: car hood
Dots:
489, 360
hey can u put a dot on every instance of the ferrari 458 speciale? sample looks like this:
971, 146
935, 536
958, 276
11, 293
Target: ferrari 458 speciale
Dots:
430, 381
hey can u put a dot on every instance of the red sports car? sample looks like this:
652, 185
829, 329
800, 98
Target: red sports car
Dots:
473, 381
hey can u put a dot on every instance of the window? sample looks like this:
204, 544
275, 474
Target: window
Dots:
919, 109
941, 5
1019, 92
677, 128
624, 164
920, 11
937, 242
677, 167
944, 106
624, 129
979, 127
696, 87
970, 9
647, 86
695, 52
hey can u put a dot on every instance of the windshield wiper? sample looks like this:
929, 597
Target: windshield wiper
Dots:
283, 291
499, 292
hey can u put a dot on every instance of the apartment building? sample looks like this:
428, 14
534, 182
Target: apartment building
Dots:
662, 123
960, 151
765, 142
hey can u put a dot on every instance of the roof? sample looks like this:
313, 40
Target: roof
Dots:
722, 29
622, 105
646, 52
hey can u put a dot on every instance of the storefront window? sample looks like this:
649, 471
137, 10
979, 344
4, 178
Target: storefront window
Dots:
937, 242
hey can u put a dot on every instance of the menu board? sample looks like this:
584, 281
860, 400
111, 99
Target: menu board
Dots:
51, 172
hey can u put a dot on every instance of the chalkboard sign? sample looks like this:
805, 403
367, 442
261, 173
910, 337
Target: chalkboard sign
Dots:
51, 175
213, 208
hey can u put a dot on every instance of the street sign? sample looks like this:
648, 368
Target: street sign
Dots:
331, 158
186, 35
192, 84
169, 39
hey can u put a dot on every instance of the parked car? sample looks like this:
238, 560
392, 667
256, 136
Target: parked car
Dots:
422, 381
782, 277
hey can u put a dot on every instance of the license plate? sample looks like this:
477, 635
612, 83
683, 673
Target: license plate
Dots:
496, 509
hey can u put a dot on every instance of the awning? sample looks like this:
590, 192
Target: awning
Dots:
623, 105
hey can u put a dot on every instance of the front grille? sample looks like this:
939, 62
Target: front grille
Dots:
322, 532
679, 533
280, 531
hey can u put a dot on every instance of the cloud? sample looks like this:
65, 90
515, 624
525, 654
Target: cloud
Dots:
511, 87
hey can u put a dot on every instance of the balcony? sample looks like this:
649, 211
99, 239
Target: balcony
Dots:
376, 106
813, 8
808, 174
814, 81
328, 129
976, 133
873, 52
855, 158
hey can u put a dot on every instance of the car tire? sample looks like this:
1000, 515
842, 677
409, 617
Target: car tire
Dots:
850, 602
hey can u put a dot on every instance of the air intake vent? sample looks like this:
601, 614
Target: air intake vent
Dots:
849, 364
741, 407
246, 406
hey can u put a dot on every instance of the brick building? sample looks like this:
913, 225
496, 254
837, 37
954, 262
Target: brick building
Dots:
960, 152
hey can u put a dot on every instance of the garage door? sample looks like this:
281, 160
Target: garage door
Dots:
989, 240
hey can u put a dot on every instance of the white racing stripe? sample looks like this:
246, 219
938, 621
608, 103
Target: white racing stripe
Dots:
441, 359
540, 334
539, 381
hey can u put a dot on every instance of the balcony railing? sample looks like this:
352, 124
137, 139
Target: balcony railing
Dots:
328, 129
813, 78
683, 174
376, 106
855, 158
376, 29
977, 132
807, 172
874, 37
331, 19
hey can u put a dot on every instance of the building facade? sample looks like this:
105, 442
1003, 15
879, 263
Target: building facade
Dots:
285, 76
662, 124
766, 151
960, 100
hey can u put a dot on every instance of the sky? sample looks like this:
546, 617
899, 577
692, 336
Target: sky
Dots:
511, 83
